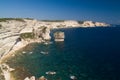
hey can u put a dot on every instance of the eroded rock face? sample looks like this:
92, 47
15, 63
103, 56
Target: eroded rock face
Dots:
6, 71
59, 36
101, 24
46, 33
88, 24
71, 23
31, 78
94, 24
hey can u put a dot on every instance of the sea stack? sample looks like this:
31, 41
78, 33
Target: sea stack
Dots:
59, 36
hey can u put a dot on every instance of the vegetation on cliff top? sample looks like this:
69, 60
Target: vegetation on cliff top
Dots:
29, 18
53, 20
80, 22
6, 19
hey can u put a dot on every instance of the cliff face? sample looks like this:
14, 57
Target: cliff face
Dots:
11, 30
94, 24
46, 33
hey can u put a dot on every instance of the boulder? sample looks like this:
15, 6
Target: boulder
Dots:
42, 78
27, 78
31, 78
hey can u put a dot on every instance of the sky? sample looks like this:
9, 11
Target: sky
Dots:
96, 10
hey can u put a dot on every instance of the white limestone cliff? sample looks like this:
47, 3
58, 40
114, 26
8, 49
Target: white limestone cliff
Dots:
11, 30
46, 34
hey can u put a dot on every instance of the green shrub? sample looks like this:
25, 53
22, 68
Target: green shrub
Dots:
29, 18
80, 22
27, 35
53, 20
0, 26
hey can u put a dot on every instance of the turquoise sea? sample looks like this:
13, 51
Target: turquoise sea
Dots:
87, 53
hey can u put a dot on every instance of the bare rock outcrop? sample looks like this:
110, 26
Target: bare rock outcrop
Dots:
101, 24
94, 24
6, 70
88, 23
59, 36
46, 33
31, 78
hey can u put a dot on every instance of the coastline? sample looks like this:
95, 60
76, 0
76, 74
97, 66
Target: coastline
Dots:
11, 53
16, 48
36, 27
4, 59
22, 44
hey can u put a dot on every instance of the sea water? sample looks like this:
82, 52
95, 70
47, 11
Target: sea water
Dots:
86, 53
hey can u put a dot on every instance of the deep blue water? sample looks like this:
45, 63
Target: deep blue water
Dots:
87, 53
